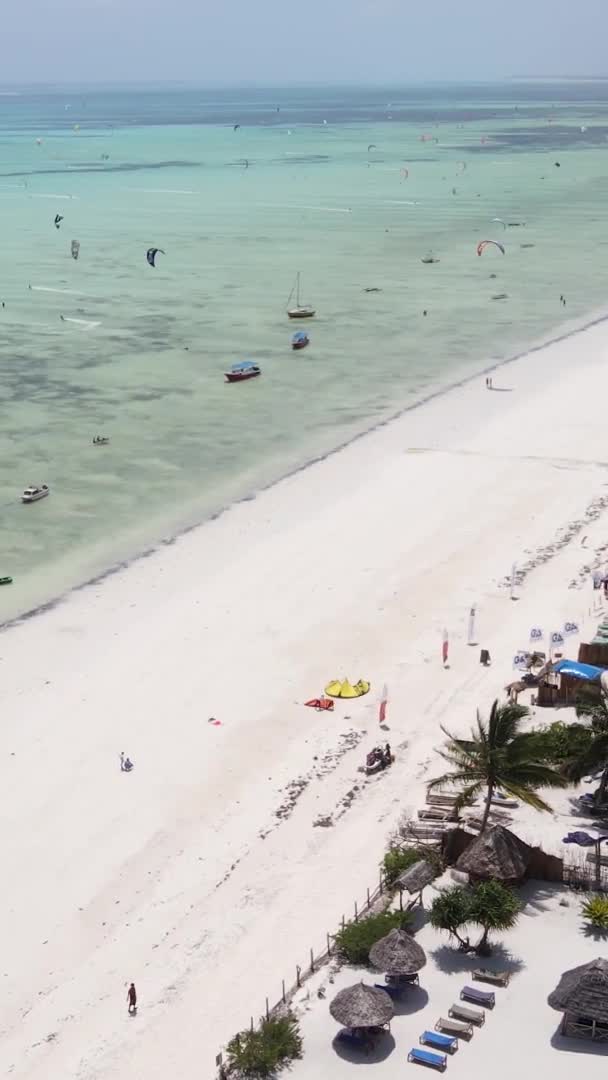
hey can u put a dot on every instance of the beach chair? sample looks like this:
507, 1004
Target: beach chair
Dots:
499, 978
487, 998
437, 813
425, 1057
454, 1027
403, 981
471, 1016
448, 1043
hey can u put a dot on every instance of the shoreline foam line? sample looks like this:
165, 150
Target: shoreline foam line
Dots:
433, 395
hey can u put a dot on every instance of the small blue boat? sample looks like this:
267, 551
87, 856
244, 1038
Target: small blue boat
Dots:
245, 369
300, 339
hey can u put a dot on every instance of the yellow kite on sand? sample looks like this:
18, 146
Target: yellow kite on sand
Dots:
345, 689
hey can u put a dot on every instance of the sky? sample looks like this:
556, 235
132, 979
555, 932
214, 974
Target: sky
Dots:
273, 42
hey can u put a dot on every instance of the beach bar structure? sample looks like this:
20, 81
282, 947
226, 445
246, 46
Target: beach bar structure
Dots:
499, 855
414, 880
582, 996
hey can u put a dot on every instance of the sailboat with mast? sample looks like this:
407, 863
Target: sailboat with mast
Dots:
300, 311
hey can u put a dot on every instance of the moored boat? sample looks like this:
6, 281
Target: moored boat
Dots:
33, 493
6, 580
101, 440
245, 369
300, 339
300, 311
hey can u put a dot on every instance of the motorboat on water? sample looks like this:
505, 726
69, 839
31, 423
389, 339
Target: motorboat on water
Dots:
300, 311
430, 258
6, 580
33, 493
300, 339
101, 440
245, 369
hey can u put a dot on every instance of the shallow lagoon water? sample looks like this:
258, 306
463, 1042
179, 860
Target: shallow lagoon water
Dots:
140, 354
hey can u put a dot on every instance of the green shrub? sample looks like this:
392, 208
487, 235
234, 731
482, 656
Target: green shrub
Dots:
558, 742
265, 1050
355, 940
398, 859
595, 910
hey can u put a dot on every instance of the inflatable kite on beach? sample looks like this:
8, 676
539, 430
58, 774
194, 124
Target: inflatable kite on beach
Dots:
482, 245
321, 704
344, 689
151, 254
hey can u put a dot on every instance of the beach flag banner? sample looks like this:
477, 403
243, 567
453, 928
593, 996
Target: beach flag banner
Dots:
536, 635
471, 633
520, 661
383, 704
445, 648
556, 640
571, 628
513, 580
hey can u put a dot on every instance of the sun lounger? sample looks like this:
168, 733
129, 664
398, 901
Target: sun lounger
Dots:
603, 858
472, 1016
487, 998
425, 1057
437, 813
427, 830
500, 978
454, 1027
439, 1042
441, 800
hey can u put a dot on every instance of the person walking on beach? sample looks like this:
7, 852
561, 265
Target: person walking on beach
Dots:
132, 999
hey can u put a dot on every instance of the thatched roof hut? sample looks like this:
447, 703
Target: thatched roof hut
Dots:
397, 954
416, 877
582, 996
362, 1006
496, 854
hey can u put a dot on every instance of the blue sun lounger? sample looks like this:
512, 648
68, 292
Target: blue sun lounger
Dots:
439, 1042
486, 998
424, 1057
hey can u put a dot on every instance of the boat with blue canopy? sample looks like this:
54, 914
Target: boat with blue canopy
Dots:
244, 369
300, 339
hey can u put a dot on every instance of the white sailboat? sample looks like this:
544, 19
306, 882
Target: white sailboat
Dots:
300, 311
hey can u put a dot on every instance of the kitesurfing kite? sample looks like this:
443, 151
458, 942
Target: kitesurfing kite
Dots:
151, 254
372, 146
58, 220
482, 245
75, 249
404, 173
236, 127
503, 223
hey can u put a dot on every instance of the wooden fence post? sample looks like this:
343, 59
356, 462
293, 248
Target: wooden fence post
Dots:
298, 971
283, 985
356, 912
368, 899
267, 1010
328, 945
312, 961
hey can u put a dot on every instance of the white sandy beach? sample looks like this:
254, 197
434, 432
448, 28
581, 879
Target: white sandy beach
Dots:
183, 876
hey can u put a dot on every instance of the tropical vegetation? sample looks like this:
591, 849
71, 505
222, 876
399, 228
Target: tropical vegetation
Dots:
355, 939
397, 859
490, 905
594, 756
498, 756
264, 1050
595, 911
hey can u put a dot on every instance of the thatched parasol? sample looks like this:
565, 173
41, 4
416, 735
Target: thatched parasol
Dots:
583, 992
362, 1006
496, 854
397, 954
417, 877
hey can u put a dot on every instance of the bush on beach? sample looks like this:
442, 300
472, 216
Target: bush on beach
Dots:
397, 859
595, 911
355, 939
266, 1049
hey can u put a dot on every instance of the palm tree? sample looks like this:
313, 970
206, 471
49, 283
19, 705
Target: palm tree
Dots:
497, 756
595, 755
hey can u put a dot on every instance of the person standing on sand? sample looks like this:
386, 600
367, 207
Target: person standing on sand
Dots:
132, 999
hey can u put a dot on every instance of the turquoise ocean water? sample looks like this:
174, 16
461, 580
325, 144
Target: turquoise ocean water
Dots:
350, 187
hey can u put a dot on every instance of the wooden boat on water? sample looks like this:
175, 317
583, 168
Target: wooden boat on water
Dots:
33, 493
101, 440
300, 339
245, 369
300, 311
6, 580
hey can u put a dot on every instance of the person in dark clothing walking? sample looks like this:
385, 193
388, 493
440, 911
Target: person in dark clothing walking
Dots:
132, 999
